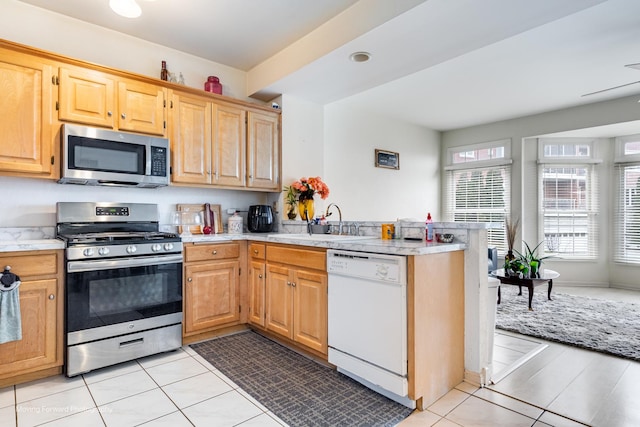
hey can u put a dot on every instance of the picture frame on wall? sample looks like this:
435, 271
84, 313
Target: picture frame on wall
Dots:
387, 159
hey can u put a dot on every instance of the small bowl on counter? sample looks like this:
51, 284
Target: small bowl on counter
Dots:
444, 237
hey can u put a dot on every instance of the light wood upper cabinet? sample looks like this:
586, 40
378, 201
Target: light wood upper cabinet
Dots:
27, 137
40, 351
229, 145
190, 139
141, 107
87, 96
263, 151
95, 98
223, 144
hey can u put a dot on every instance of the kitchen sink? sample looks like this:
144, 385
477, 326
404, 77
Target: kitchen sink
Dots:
321, 237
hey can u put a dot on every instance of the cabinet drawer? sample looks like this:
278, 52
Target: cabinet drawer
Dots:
31, 264
294, 255
257, 250
211, 252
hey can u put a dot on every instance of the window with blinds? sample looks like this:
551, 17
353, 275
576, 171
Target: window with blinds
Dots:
626, 239
478, 182
568, 199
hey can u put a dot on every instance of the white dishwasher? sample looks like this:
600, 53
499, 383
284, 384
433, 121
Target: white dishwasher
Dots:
368, 320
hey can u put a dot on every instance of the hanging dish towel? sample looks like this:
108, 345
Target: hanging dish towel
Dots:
10, 321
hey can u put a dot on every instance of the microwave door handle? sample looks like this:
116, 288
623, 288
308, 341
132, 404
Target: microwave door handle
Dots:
111, 264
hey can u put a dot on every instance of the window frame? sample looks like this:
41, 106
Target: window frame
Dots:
590, 211
619, 239
504, 162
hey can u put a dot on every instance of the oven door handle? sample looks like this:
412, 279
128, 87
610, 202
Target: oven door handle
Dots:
110, 264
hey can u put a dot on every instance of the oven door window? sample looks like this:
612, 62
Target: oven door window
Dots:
107, 297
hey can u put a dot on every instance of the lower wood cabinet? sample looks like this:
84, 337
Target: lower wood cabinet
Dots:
40, 351
296, 295
211, 287
257, 279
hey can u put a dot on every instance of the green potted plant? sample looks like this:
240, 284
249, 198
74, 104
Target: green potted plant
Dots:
532, 259
291, 200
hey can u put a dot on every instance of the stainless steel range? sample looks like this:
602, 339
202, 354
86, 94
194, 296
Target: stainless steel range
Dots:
123, 284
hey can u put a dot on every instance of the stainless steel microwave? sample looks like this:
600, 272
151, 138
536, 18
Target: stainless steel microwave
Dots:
93, 156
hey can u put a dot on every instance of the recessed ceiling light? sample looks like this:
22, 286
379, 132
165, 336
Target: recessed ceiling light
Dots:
360, 56
126, 8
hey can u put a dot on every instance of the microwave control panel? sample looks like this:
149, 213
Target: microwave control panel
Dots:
158, 161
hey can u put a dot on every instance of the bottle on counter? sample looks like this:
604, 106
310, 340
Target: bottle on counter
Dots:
429, 228
164, 73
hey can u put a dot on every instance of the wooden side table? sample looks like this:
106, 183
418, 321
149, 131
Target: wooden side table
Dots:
545, 276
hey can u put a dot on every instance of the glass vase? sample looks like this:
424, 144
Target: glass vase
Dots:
306, 209
292, 213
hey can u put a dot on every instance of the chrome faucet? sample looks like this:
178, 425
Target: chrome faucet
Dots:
327, 214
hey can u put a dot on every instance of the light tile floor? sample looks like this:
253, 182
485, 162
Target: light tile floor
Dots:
182, 389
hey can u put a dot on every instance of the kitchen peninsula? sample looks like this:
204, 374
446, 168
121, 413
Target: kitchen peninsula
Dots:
446, 295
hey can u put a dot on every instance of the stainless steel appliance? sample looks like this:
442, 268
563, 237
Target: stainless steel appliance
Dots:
93, 156
260, 219
123, 284
368, 342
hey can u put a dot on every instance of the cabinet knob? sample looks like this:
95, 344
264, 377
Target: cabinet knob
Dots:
215, 252
288, 283
123, 115
255, 251
189, 279
259, 276
52, 297
109, 113
293, 284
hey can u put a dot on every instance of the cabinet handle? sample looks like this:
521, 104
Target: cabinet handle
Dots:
123, 115
52, 297
109, 113
288, 283
293, 284
215, 252
189, 279
255, 251
259, 276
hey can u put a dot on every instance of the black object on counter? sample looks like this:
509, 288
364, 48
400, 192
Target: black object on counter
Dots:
260, 219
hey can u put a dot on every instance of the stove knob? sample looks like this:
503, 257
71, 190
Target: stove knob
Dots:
103, 251
168, 246
131, 249
156, 247
88, 252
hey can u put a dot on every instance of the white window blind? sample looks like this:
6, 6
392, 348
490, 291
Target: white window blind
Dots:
568, 204
568, 199
626, 240
480, 195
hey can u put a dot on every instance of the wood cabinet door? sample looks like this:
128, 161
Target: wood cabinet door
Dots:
229, 142
86, 96
26, 108
141, 107
190, 139
257, 293
263, 151
279, 302
211, 295
38, 347
310, 309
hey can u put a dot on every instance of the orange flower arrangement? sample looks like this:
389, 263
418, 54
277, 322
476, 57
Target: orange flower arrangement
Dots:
305, 188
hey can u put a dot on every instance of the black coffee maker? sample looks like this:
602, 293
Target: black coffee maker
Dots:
260, 219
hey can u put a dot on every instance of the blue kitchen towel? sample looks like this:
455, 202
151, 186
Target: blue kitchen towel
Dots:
10, 321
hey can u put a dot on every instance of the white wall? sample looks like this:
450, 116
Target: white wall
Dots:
367, 192
522, 132
32, 202
32, 26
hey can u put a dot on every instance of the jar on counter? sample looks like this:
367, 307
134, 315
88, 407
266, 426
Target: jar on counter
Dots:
235, 224
213, 85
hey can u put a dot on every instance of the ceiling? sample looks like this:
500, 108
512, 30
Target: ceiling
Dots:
444, 64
